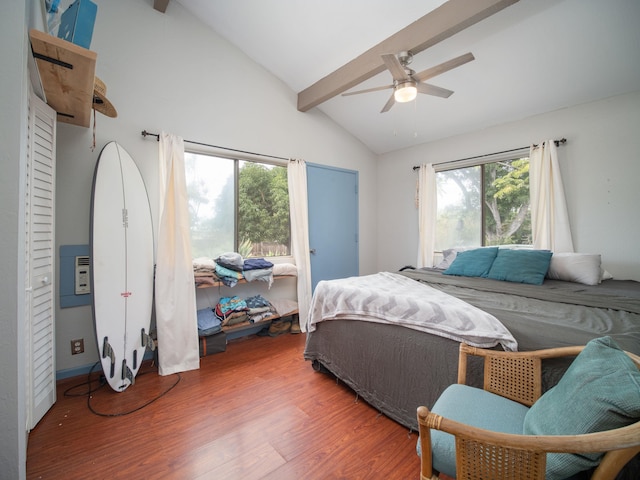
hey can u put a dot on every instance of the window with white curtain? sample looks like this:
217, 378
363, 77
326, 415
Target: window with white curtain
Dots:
483, 203
237, 206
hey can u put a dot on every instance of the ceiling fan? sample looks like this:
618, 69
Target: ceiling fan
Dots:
407, 83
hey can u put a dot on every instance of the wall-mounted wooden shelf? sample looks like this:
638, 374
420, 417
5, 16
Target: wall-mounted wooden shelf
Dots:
67, 73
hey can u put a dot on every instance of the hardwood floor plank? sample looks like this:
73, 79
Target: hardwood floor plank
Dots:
239, 454
257, 411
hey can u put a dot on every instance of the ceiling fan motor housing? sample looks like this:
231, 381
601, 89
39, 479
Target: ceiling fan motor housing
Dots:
405, 58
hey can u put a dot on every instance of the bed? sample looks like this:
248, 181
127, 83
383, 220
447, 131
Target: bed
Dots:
397, 367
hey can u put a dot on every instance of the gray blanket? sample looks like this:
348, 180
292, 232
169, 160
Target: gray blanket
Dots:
554, 314
610, 294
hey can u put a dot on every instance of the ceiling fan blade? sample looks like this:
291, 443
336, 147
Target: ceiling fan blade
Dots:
433, 90
389, 104
443, 67
374, 89
395, 67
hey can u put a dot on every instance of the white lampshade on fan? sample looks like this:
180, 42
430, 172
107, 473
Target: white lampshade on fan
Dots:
405, 92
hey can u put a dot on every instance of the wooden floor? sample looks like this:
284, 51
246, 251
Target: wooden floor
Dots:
256, 411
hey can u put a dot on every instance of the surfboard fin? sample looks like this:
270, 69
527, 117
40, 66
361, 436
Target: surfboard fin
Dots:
147, 341
127, 373
107, 351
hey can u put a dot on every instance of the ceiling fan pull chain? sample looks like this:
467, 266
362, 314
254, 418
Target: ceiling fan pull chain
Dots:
415, 118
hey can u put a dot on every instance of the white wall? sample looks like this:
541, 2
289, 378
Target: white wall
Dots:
600, 169
170, 72
13, 138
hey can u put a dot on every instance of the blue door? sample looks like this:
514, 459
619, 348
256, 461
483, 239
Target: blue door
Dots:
333, 222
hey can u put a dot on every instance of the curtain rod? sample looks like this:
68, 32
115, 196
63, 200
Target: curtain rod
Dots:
145, 134
557, 142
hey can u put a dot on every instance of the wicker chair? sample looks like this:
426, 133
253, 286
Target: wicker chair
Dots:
485, 454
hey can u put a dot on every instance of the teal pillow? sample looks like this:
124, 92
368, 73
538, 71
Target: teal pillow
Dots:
521, 266
599, 391
473, 263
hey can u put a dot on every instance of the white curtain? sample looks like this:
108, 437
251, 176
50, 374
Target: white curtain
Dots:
549, 216
427, 210
176, 317
298, 205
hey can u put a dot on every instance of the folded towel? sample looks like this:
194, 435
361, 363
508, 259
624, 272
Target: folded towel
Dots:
231, 260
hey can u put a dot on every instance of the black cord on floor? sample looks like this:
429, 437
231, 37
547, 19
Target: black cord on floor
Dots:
67, 393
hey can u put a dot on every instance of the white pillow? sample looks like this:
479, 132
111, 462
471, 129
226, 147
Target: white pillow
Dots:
576, 267
285, 269
449, 255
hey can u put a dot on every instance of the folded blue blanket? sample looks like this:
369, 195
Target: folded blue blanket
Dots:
256, 263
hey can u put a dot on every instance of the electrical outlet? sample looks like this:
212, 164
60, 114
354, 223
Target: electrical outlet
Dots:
77, 346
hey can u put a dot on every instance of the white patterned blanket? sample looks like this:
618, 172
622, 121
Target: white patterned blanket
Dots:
395, 299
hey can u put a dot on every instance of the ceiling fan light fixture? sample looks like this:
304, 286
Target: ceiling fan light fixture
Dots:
405, 92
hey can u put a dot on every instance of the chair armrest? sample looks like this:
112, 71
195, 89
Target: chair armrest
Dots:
620, 445
513, 375
426, 456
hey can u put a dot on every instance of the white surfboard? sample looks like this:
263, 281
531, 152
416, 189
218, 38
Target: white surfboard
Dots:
121, 265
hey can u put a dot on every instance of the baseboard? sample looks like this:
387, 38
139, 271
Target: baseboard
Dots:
76, 371
85, 369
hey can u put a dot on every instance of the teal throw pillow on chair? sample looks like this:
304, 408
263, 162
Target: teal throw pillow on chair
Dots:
600, 391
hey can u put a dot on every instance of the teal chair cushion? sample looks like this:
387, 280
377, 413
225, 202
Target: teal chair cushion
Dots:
600, 391
472, 406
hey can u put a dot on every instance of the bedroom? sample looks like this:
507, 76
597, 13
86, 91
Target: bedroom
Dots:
601, 173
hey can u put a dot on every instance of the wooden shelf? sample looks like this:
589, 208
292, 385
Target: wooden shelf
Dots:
265, 321
247, 328
218, 283
67, 72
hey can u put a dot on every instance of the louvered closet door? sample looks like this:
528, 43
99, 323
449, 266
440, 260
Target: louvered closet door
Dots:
39, 278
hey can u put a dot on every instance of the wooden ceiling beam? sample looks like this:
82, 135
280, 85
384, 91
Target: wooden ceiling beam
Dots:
440, 24
160, 5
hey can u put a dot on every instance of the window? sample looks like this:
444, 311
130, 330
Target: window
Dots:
237, 206
484, 204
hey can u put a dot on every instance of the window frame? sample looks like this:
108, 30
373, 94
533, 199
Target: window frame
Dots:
480, 161
239, 156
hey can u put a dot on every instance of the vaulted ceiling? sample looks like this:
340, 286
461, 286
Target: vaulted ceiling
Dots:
531, 57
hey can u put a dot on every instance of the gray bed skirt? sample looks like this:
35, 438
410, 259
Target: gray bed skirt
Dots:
396, 369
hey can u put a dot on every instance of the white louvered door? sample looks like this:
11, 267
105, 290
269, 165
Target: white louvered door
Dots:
39, 273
